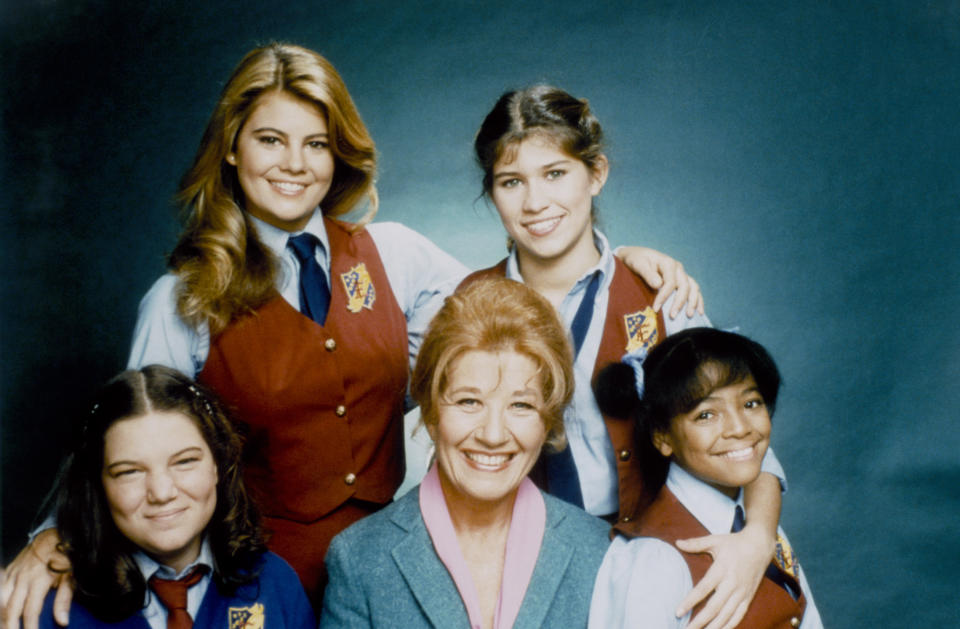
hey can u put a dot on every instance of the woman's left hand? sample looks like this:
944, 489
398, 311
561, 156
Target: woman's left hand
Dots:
41, 565
662, 272
739, 563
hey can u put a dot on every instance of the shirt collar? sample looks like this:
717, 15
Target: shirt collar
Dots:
709, 506
604, 266
276, 239
149, 567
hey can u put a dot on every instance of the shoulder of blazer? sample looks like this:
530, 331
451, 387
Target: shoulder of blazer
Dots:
379, 530
586, 531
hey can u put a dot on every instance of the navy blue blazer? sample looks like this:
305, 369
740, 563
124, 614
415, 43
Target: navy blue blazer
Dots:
276, 597
384, 572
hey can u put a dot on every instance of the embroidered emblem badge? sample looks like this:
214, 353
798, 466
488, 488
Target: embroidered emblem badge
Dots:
246, 617
642, 330
359, 287
785, 558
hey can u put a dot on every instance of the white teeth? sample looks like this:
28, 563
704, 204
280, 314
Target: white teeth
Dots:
542, 227
739, 455
287, 186
492, 460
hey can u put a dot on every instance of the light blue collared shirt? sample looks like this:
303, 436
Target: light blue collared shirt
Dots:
420, 274
586, 432
154, 611
642, 581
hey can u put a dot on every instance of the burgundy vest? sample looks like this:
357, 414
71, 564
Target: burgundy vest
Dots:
668, 520
628, 297
322, 405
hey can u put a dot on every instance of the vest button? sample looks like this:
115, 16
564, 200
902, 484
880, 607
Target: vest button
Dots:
330, 344
350, 478
624, 455
341, 410
794, 622
626, 518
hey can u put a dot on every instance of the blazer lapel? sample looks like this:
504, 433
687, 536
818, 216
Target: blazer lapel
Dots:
425, 574
555, 556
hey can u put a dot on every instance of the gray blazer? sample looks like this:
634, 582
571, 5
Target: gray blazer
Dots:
384, 572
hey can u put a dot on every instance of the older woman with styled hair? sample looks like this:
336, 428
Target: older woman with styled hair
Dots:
152, 500
477, 544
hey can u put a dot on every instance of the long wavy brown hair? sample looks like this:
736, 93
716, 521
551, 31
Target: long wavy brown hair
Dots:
224, 269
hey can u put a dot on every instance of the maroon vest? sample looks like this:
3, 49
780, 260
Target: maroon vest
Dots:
628, 297
322, 405
668, 520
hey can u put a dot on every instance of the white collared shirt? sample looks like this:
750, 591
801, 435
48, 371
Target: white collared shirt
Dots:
586, 432
420, 274
643, 580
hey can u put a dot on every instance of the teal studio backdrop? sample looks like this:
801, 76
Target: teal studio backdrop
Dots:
800, 158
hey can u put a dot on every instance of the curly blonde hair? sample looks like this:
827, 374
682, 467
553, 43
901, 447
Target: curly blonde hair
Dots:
223, 268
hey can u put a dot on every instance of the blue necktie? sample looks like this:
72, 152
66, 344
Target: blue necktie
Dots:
314, 291
564, 482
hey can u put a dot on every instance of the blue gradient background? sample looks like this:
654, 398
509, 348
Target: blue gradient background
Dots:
800, 158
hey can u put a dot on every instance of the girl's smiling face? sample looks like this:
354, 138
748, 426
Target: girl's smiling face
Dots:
544, 198
721, 441
489, 431
160, 481
283, 160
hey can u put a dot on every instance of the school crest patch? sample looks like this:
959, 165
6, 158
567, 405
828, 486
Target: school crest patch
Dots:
360, 291
642, 330
246, 617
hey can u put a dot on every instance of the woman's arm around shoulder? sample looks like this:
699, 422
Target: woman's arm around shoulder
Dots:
640, 584
162, 337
